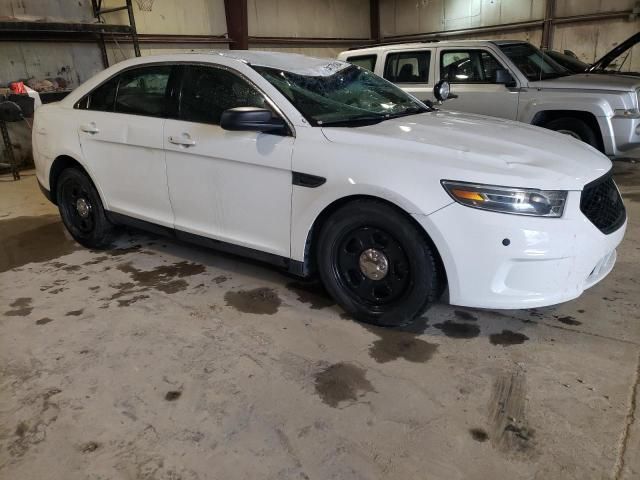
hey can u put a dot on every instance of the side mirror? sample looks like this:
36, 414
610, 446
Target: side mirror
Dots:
503, 76
252, 119
442, 91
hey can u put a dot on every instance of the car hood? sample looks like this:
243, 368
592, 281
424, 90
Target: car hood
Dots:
586, 81
482, 149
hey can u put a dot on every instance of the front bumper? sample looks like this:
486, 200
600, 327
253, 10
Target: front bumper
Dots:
546, 260
626, 134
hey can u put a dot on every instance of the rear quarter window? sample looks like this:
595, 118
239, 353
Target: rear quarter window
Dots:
364, 61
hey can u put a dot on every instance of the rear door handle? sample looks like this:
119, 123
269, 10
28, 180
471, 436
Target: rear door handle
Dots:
90, 128
184, 140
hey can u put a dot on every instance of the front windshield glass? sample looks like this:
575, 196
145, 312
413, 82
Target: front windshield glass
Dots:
532, 62
351, 96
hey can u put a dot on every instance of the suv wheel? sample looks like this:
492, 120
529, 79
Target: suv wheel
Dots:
376, 264
575, 128
82, 211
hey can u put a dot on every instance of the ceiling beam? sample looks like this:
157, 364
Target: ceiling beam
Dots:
237, 24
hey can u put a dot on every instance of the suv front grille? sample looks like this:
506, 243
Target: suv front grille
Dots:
602, 205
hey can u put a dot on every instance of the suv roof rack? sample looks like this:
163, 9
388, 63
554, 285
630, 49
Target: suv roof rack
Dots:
399, 42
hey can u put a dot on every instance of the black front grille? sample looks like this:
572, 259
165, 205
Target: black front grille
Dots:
601, 203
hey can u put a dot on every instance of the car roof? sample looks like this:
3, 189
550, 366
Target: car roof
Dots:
428, 44
290, 62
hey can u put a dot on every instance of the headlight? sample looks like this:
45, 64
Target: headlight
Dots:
521, 201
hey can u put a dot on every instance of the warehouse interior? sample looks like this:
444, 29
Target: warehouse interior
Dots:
158, 359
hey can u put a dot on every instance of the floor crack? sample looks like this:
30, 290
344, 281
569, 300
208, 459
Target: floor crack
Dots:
618, 468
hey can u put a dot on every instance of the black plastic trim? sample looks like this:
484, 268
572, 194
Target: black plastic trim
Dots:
292, 266
46, 192
306, 180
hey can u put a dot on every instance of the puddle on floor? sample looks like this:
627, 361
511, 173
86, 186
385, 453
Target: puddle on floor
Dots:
33, 239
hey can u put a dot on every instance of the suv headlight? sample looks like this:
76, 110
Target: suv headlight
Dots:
520, 201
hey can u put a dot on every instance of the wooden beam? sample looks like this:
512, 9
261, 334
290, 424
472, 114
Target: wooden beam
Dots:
374, 16
237, 24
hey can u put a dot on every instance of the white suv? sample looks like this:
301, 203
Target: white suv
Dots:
322, 166
515, 80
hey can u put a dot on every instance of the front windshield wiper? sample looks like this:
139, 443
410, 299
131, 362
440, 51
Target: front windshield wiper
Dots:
355, 122
373, 119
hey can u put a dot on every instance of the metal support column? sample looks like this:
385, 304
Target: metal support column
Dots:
134, 31
374, 16
547, 24
237, 23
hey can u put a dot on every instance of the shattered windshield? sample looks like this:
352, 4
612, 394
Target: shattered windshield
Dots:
351, 96
533, 64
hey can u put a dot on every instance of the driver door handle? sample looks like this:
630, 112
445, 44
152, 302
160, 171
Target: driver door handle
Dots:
185, 140
90, 128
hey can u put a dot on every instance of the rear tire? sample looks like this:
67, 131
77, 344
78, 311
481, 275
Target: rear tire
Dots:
376, 264
82, 211
575, 128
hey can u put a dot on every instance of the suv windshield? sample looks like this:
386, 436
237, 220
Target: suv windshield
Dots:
533, 64
352, 96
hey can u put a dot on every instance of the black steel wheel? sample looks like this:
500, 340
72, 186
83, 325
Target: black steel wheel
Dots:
81, 210
376, 264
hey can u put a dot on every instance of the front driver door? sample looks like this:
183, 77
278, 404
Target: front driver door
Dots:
472, 75
229, 186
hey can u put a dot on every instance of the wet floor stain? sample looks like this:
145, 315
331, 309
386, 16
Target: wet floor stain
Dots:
96, 261
311, 293
479, 434
259, 301
458, 330
401, 343
44, 321
75, 313
165, 278
465, 316
126, 302
33, 239
568, 320
394, 345
172, 395
342, 382
507, 338
20, 307
89, 447
118, 252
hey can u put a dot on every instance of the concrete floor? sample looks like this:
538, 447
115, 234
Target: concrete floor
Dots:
161, 360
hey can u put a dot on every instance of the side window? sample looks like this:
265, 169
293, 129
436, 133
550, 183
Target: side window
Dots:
209, 91
364, 61
144, 91
468, 66
102, 98
407, 67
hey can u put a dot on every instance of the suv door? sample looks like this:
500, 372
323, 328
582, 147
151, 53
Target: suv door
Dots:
411, 71
473, 75
120, 125
227, 185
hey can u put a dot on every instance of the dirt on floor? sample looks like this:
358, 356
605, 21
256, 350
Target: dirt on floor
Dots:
162, 360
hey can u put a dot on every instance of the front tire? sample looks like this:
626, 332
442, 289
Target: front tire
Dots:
576, 128
376, 264
82, 211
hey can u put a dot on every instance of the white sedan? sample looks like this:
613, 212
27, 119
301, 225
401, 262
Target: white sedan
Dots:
321, 167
